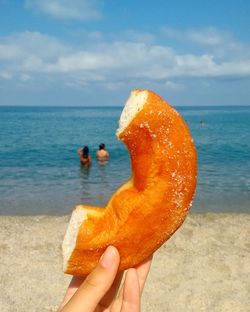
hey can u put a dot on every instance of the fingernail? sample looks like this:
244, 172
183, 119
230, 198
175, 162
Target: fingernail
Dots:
108, 258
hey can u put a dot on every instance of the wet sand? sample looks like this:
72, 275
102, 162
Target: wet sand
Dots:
203, 267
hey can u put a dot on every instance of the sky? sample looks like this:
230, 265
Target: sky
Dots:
94, 52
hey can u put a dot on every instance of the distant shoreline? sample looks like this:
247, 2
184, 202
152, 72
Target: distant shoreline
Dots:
121, 106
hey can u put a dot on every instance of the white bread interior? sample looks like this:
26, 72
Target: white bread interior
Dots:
69, 242
133, 105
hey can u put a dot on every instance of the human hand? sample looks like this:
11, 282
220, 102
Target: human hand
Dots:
79, 151
98, 291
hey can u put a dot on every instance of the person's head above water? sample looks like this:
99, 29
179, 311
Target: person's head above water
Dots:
101, 146
85, 151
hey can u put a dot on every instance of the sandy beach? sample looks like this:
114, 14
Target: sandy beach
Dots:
203, 267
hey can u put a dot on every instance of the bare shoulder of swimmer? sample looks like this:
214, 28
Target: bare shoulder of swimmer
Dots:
100, 153
103, 154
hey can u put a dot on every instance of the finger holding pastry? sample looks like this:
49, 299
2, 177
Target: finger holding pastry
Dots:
98, 291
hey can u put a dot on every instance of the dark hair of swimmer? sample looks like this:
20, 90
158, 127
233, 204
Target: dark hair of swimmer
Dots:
101, 146
85, 152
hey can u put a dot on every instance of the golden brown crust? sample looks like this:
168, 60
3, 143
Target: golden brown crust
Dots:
142, 216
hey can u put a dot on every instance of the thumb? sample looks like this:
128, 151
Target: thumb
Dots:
96, 284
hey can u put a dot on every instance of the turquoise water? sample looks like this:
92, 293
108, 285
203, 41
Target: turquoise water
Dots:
40, 171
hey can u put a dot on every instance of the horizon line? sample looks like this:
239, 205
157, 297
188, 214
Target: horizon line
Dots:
117, 106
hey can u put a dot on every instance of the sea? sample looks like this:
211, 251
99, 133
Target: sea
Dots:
40, 171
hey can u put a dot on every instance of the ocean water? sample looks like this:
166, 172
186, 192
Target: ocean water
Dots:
40, 171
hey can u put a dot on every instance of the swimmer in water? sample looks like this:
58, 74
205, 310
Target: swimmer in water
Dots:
202, 124
85, 158
102, 155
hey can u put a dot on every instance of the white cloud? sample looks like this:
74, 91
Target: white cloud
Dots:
65, 9
113, 86
111, 64
205, 40
206, 36
6, 75
220, 44
8, 51
29, 51
142, 37
136, 60
25, 44
79, 80
173, 86
95, 35
24, 77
